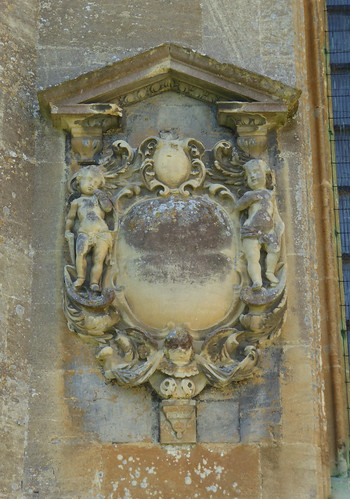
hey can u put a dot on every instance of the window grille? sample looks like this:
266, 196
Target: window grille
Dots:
337, 50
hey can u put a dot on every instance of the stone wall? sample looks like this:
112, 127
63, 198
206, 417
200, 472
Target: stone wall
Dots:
18, 42
68, 433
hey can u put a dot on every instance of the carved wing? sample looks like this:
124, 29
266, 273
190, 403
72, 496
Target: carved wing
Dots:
214, 346
228, 161
139, 373
117, 168
131, 359
223, 375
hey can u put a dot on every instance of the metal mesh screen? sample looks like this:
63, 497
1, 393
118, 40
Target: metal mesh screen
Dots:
337, 45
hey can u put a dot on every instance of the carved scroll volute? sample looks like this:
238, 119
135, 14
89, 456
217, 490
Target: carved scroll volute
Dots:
195, 150
147, 150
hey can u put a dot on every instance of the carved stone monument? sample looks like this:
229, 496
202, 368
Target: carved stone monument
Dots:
175, 266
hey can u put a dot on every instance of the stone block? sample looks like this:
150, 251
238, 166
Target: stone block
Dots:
108, 412
261, 424
178, 422
218, 421
142, 470
47, 278
297, 398
291, 471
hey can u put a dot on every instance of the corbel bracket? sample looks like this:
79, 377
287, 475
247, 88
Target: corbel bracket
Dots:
86, 124
252, 121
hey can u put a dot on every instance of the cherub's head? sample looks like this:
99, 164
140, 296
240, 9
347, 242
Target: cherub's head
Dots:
179, 347
89, 179
255, 171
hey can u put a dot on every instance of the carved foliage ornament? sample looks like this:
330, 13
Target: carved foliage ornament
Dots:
175, 265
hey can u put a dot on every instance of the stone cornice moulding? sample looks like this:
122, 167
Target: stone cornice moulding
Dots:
269, 115
105, 116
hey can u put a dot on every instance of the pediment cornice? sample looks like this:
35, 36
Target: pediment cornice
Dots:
167, 67
86, 106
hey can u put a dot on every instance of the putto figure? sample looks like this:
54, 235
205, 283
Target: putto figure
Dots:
263, 227
93, 234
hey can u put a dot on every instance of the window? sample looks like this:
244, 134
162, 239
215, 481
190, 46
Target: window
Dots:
338, 75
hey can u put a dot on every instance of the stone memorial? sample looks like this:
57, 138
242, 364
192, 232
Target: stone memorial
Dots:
175, 263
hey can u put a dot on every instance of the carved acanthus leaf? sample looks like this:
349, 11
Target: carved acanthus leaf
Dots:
118, 167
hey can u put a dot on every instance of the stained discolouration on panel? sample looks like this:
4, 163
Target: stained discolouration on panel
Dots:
180, 252
180, 239
146, 471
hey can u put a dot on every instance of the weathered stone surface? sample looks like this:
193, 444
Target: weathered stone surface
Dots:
110, 413
56, 434
175, 112
162, 254
291, 471
218, 421
142, 471
81, 31
17, 162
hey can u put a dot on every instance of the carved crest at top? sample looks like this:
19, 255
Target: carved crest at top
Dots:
174, 166
175, 262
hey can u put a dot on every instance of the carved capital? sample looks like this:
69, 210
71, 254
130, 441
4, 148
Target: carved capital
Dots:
86, 124
86, 142
252, 122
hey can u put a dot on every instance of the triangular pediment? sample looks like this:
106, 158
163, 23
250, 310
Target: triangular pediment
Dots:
167, 67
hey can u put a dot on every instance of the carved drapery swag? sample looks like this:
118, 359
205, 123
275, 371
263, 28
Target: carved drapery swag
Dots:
175, 265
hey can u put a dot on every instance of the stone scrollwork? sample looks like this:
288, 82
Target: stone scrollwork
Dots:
173, 166
175, 267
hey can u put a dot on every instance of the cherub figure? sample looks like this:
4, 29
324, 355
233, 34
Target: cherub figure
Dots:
263, 227
93, 234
